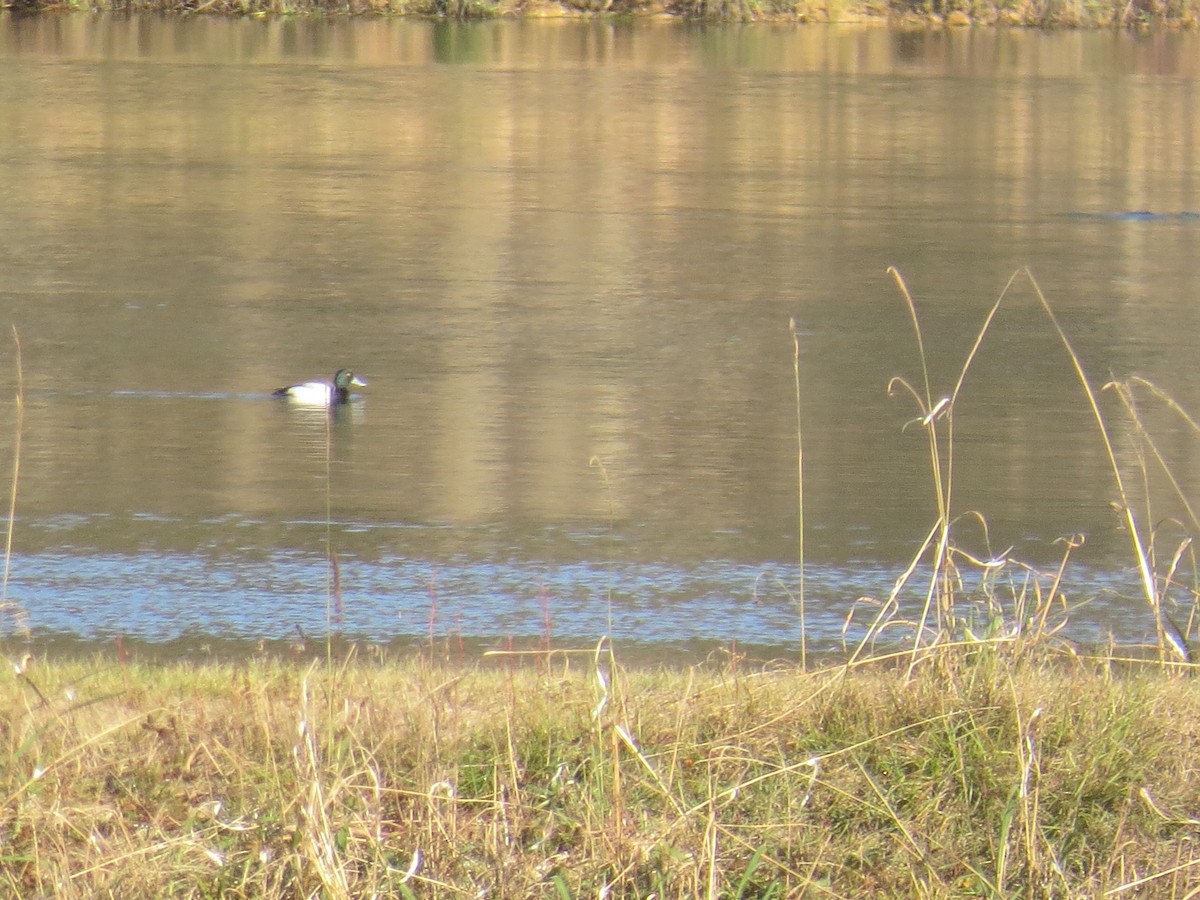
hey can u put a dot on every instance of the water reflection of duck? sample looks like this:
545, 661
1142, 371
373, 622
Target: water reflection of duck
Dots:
322, 393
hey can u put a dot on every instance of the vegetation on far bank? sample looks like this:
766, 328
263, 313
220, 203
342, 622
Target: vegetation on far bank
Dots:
900, 13
967, 771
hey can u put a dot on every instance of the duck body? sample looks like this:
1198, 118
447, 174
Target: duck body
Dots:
322, 393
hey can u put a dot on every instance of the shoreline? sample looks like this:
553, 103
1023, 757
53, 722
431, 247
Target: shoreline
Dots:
1141, 15
444, 649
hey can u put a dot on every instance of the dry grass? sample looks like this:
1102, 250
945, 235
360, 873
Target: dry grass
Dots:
975, 775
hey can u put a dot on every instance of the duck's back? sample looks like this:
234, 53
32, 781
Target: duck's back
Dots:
314, 393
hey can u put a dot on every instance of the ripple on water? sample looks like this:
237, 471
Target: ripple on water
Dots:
159, 597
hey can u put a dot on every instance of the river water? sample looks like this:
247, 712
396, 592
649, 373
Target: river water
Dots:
565, 255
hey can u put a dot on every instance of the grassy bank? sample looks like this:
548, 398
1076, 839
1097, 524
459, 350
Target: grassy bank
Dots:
970, 773
900, 13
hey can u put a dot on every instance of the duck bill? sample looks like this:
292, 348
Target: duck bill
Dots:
358, 382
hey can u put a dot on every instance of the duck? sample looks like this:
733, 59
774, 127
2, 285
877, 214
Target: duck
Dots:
322, 393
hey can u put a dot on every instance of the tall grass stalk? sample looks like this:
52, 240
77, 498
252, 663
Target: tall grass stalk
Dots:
799, 492
1126, 392
928, 419
938, 616
330, 575
1141, 553
597, 463
15, 610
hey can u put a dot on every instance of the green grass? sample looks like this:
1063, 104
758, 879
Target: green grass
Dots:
977, 774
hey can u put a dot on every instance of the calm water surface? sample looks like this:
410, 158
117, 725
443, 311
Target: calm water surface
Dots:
565, 256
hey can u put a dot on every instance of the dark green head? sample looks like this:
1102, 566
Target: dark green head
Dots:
344, 378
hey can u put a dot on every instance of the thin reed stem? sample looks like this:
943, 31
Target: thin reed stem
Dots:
329, 563
799, 492
929, 416
929, 410
1139, 548
1125, 392
598, 463
16, 470
10, 608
